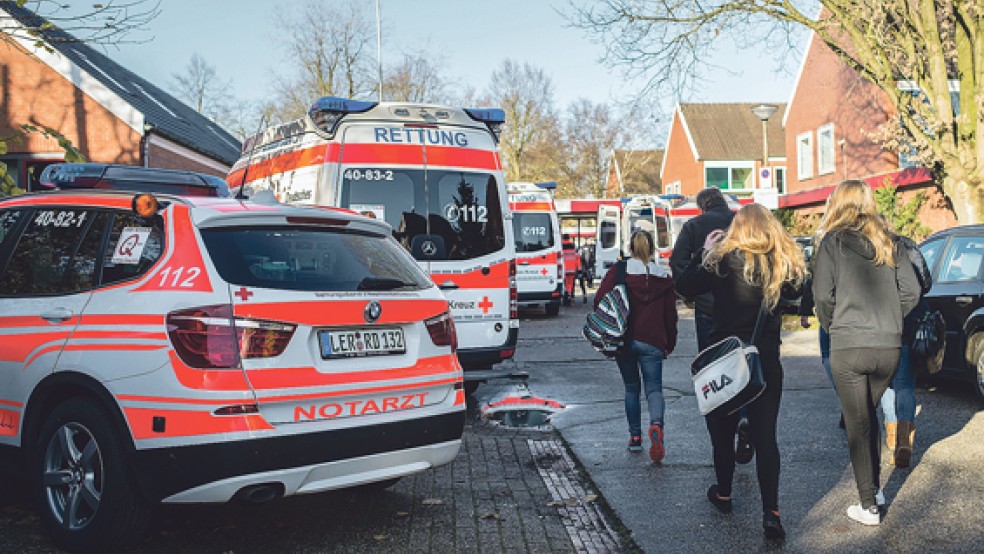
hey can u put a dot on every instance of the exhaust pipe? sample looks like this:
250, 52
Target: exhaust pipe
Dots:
258, 494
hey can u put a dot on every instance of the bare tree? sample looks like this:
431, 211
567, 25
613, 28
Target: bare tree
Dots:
416, 79
592, 132
328, 51
530, 141
201, 88
102, 23
933, 44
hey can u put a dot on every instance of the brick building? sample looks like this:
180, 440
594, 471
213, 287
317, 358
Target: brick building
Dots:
722, 145
633, 172
109, 113
828, 120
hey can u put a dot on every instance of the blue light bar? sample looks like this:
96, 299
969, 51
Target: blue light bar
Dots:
340, 105
549, 185
487, 115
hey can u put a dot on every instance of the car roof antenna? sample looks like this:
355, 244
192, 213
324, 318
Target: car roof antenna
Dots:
241, 193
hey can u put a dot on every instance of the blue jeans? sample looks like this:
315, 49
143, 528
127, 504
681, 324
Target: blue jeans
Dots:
640, 357
899, 401
825, 355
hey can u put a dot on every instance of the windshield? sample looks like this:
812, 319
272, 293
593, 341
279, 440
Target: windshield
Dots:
461, 209
533, 231
311, 259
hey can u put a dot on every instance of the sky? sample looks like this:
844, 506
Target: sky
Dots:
240, 39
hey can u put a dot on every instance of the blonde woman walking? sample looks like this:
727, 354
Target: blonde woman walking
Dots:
863, 286
747, 268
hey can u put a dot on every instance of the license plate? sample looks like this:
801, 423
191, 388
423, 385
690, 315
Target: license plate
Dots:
361, 342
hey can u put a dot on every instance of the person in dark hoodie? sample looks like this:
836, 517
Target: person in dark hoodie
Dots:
863, 286
747, 269
651, 337
715, 215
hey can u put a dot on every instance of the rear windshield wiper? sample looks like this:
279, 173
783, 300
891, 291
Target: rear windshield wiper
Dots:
382, 283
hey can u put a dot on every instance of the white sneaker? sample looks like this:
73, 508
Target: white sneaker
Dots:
880, 499
871, 516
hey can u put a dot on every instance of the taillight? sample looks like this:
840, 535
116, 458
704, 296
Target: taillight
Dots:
513, 293
560, 269
209, 337
442, 331
262, 339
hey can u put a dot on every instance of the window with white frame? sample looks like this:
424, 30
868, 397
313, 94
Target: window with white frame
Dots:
729, 175
825, 149
804, 155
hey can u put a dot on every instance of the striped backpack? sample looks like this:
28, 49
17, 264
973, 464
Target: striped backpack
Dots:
607, 325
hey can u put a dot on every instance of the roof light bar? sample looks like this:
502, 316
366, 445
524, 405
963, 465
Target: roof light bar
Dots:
493, 118
328, 111
549, 185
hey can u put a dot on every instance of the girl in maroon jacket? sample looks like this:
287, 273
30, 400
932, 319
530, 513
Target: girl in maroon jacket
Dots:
651, 337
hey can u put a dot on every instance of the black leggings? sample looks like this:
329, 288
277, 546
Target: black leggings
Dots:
763, 414
861, 376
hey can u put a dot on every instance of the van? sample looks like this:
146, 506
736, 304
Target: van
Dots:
539, 266
434, 174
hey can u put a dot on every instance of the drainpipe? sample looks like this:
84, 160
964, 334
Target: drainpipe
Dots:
145, 145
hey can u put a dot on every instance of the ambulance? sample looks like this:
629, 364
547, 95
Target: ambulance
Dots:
434, 174
539, 266
617, 223
179, 349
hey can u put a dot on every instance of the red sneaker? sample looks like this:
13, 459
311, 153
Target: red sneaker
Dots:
657, 450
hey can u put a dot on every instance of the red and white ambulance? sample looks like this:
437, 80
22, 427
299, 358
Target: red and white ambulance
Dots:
434, 174
539, 267
198, 349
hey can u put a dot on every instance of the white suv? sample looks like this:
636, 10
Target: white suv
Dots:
182, 349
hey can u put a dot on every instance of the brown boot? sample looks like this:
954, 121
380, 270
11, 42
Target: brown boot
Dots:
903, 449
891, 432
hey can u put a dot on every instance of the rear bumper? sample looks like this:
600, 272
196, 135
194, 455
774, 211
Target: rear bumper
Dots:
539, 297
484, 358
308, 462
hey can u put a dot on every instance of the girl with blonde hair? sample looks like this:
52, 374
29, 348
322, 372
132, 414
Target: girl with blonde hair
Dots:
863, 286
748, 268
651, 337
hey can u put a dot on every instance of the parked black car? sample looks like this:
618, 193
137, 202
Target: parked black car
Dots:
954, 256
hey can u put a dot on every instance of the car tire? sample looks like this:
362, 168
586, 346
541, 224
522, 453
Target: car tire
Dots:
553, 308
82, 484
979, 369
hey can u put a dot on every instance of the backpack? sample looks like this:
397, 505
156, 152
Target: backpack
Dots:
608, 324
929, 341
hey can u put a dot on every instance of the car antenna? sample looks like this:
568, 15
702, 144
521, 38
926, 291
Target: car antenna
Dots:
240, 194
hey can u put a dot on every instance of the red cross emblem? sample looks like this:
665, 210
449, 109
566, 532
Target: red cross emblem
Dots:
543, 271
243, 293
485, 304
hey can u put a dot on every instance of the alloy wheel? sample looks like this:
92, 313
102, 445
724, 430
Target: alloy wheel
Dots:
73, 476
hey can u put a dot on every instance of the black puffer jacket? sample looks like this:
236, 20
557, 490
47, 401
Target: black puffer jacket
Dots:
690, 243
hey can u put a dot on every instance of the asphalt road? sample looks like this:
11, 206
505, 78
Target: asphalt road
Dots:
936, 506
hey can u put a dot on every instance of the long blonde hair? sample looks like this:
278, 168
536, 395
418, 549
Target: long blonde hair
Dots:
641, 246
851, 207
771, 257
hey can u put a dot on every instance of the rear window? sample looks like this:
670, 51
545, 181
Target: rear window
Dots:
461, 209
311, 259
533, 231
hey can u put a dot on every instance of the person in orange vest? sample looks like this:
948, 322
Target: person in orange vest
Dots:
572, 265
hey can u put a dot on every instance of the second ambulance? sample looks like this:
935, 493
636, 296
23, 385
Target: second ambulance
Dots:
540, 268
434, 174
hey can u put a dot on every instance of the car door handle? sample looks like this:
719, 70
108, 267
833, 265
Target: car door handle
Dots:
449, 285
57, 315
963, 300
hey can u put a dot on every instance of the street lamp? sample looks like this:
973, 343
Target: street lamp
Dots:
764, 112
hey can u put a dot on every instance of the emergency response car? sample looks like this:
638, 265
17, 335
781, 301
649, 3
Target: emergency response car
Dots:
434, 174
186, 349
539, 267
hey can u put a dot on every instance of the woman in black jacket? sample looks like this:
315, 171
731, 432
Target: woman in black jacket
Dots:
746, 269
863, 285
